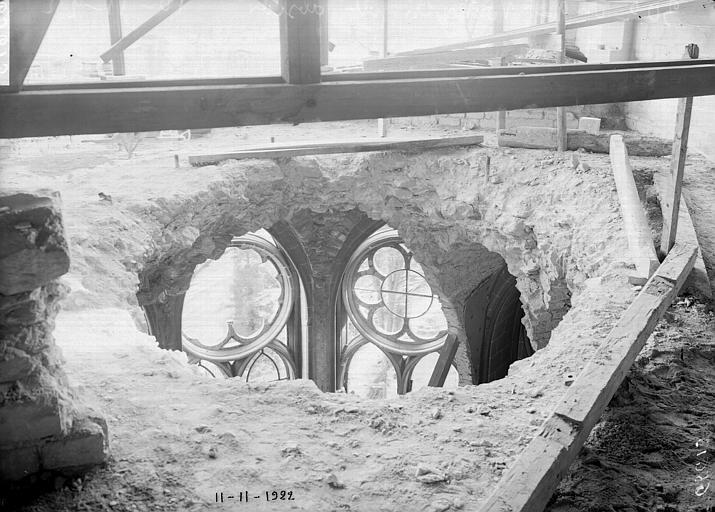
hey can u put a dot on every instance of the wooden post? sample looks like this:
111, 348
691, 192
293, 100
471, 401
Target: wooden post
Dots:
115, 34
381, 124
444, 363
677, 166
300, 41
561, 132
500, 120
640, 241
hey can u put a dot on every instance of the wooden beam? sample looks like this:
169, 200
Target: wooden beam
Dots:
671, 202
533, 477
629, 11
52, 112
28, 25
561, 132
544, 137
640, 240
300, 41
326, 148
364, 77
115, 34
136, 34
444, 363
698, 280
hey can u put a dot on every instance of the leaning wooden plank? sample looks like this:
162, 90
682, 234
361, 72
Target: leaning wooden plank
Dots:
698, 281
132, 109
640, 239
338, 147
132, 37
430, 60
671, 200
532, 479
444, 363
629, 11
28, 24
544, 137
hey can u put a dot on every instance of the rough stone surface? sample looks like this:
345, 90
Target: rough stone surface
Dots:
37, 408
436, 200
34, 250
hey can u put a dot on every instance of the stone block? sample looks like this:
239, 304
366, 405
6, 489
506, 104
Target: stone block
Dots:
28, 420
34, 250
15, 364
590, 125
17, 463
85, 446
449, 121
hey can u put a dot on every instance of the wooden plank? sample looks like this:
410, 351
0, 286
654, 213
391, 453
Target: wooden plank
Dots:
698, 281
630, 11
561, 133
671, 202
544, 137
435, 60
326, 148
115, 34
28, 24
532, 479
48, 112
300, 41
640, 240
132, 37
444, 363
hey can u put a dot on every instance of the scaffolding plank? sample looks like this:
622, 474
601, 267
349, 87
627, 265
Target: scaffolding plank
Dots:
445, 58
326, 148
640, 239
532, 479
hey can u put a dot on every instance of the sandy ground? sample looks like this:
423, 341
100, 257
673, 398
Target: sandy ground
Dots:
178, 438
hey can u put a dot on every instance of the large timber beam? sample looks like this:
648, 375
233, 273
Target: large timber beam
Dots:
532, 479
28, 24
132, 37
61, 112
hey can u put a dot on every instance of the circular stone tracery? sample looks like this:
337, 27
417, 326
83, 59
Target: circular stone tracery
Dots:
406, 293
388, 299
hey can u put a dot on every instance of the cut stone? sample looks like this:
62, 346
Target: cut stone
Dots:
85, 446
17, 463
34, 250
590, 125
